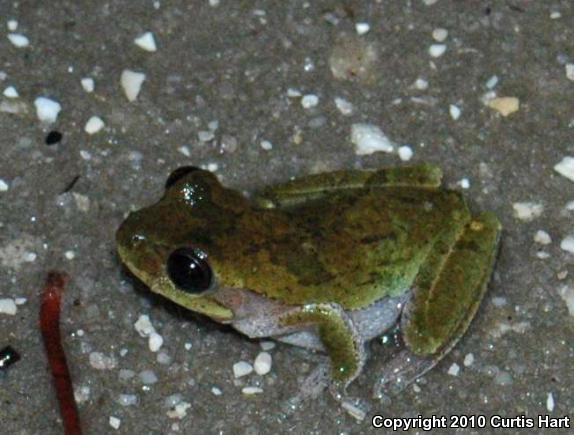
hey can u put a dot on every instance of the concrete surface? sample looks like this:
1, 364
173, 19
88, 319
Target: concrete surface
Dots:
234, 63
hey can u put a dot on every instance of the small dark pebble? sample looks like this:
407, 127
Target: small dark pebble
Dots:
8, 356
53, 137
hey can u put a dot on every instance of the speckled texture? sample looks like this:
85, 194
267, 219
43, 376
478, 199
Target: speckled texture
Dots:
234, 64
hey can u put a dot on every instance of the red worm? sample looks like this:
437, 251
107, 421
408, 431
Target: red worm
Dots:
50, 328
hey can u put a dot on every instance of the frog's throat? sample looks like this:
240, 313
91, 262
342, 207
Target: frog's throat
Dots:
206, 305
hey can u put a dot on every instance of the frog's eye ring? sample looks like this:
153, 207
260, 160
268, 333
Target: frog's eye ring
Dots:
178, 174
189, 271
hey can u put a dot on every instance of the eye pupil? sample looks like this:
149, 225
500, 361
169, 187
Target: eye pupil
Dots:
188, 270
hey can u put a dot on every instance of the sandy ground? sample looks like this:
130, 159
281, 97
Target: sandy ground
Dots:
260, 92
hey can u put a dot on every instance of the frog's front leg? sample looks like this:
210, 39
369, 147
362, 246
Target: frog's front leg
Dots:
341, 340
424, 176
447, 293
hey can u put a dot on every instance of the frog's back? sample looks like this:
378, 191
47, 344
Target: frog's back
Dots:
355, 247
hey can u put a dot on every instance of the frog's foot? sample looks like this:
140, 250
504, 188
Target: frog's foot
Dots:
339, 336
447, 293
400, 372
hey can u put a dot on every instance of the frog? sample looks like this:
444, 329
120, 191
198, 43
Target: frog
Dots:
327, 262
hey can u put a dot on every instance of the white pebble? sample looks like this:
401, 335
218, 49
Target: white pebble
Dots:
212, 167
144, 326
369, 138
132, 82
99, 361
567, 295
464, 183
294, 93
439, 34
251, 390
492, 82
262, 363
18, 40
94, 125
267, 345
543, 255
405, 153
570, 71
242, 368
550, 402
179, 411
148, 377
555, 15
344, 106
21, 301
429, 2
30, 257
362, 28
266, 145
127, 399
421, 84
11, 92
504, 105
185, 151
12, 25
47, 110
3, 186
437, 50
454, 111
146, 42
527, 211
82, 393
353, 410
205, 135
454, 369
88, 84
188, 346
8, 306
155, 341
566, 167
214, 3
216, 391
115, 422
567, 244
542, 237
468, 360
310, 100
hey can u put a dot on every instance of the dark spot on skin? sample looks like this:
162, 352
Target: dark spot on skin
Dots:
469, 246
377, 238
53, 137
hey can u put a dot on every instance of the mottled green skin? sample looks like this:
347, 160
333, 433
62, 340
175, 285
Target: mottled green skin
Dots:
349, 238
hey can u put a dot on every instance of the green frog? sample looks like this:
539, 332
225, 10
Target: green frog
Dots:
326, 261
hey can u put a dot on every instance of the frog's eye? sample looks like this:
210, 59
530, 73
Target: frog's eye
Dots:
188, 270
178, 174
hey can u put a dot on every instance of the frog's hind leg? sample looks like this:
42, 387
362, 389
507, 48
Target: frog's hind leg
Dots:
424, 176
447, 293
